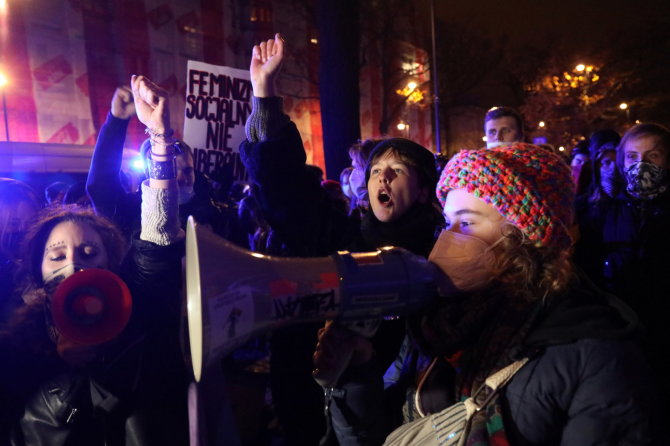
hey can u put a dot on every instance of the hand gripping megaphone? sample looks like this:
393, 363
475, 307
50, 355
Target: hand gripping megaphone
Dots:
233, 294
91, 307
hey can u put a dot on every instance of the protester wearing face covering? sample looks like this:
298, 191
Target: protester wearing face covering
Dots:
606, 177
100, 376
627, 235
511, 293
598, 201
626, 243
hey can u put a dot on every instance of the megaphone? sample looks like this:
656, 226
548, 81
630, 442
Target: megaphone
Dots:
233, 294
91, 307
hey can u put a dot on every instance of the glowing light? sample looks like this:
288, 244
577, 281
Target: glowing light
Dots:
637, 121
411, 68
561, 149
541, 124
137, 164
314, 40
411, 92
623, 106
402, 126
258, 255
581, 67
3, 6
484, 138
3, 79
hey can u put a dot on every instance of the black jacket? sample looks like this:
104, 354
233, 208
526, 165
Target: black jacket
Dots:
109, 198
136, 394
625, 245
586, 382
305, 221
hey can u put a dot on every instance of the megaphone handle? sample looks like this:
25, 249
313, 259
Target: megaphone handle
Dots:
366, 328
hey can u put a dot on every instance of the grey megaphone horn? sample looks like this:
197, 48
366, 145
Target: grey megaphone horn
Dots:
233, 294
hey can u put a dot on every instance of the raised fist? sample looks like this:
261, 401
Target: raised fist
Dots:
151, 104
123, 106
266, 60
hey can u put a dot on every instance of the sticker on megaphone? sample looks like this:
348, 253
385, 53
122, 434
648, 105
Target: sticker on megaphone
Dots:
91, 307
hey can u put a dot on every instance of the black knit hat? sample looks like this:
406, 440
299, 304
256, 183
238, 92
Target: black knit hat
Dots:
601, 138
419, 157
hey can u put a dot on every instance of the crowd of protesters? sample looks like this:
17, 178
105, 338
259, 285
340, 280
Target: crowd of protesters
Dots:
551, 266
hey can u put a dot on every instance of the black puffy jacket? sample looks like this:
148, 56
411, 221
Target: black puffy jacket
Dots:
625, 247
586, 382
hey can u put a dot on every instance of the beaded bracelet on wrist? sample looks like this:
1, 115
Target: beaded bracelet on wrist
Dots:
167, 136
165, 139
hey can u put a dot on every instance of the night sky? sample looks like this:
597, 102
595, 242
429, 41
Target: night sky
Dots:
577, 23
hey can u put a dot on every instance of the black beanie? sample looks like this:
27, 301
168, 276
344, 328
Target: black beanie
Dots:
600, 138
419, 157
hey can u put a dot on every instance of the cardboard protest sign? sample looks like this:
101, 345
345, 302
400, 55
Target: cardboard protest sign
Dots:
218, 101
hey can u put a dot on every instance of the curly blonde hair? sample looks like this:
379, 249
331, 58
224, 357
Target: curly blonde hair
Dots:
525, 270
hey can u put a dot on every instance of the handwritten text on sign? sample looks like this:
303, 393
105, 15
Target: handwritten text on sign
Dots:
218, 102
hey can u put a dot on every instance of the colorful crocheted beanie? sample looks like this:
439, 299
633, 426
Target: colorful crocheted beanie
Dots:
530, 186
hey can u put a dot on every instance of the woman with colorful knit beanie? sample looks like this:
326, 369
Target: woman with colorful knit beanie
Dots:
514, 299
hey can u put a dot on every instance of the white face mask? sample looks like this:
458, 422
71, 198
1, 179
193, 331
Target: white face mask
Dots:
54, 278
467, 261
185, 194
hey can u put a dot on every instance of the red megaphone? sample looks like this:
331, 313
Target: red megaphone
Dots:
91, 306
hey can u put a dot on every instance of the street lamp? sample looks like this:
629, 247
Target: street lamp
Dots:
411, 92
403, 127
3, 83
580, 68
